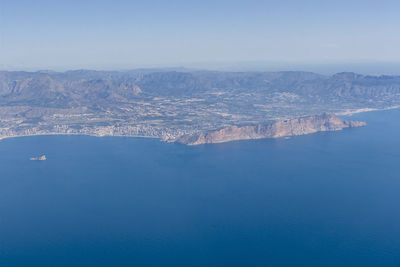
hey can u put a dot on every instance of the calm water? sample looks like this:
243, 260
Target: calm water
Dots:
328, 199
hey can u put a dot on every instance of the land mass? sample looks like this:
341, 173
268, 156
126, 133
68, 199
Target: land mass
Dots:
292, 127
180, 104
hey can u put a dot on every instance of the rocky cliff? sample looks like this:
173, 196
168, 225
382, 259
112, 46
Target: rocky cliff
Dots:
298, 126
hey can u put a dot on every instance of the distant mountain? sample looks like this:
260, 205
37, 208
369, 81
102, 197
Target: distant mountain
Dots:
71, 86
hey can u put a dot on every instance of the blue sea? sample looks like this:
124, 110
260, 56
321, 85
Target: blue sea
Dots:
326, 199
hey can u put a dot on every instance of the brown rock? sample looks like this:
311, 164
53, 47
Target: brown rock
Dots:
292, 127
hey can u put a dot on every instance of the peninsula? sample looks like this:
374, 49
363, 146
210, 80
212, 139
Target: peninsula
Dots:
298, 126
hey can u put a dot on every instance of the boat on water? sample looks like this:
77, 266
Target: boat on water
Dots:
41, 158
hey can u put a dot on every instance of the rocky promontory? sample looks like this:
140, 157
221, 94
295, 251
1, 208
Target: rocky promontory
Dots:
291, 127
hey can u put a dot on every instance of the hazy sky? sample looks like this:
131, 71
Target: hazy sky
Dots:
124, 34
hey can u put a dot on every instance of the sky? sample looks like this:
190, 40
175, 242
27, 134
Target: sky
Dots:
118, 34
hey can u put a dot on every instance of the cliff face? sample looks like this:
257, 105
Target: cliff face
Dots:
298, 126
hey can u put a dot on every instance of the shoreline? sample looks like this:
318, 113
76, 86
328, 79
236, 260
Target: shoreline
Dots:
76, 134
343, 113
364, 110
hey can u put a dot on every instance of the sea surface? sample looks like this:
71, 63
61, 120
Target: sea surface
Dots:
326, 199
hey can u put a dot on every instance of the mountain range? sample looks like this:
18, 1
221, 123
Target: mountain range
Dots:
168, 104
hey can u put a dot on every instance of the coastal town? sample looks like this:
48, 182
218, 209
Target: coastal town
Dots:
169, 105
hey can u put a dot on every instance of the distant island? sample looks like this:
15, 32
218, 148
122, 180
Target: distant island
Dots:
185, 106
41, 158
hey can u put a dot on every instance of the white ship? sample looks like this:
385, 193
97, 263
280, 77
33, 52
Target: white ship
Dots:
42, 158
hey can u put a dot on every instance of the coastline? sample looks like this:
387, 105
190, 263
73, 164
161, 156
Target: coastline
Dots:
75, 134
364, 110
343, 113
